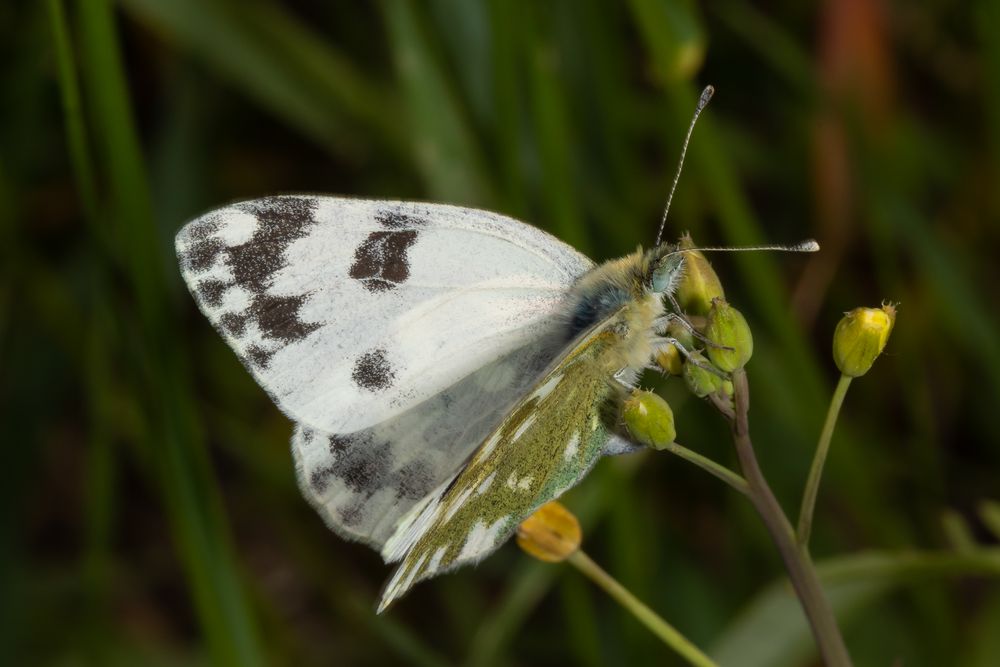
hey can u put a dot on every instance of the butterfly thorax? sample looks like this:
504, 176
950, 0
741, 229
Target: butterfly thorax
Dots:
624, 288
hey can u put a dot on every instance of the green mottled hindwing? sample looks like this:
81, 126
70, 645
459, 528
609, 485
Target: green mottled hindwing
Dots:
545, 445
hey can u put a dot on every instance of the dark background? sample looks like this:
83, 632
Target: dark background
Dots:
148, 509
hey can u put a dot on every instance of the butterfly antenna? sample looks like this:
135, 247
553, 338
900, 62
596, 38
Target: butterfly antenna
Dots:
809, 245
706, 95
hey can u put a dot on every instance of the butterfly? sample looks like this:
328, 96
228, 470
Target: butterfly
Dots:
448, 370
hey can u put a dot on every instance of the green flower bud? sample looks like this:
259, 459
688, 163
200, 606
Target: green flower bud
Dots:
700, 284
649, 419
860, 337
726, 326
701, 382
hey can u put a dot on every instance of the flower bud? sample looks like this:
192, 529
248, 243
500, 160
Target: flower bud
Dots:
649, 419
727, 327
860, 337
670, 358
701, 382
700, 284
552, 534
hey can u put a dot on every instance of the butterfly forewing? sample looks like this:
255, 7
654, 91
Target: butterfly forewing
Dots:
351, 312
545, 445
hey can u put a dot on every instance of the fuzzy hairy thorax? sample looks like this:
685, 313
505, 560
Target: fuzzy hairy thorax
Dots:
631, 289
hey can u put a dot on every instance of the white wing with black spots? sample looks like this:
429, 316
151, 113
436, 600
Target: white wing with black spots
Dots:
352, 312
362, 483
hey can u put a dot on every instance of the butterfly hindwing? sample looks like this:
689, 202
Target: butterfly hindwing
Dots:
351, 312
544, 446
362, 483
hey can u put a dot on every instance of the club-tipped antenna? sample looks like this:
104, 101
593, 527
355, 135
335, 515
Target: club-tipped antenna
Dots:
706, 95
809, 245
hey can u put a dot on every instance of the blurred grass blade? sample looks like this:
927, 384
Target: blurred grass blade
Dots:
770, 41
283, 65
117, 148
986, 15
772, 631
195, 515
79, 147
619, 197
554, 136
983, 645
583, 630
526, 587
463, 30
989, 512
508, 129
962, 307
445, 148
957, 532
672, 31
100, 463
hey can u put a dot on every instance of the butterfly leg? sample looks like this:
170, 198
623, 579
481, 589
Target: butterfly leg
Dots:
664, 341
661, 323
626, 378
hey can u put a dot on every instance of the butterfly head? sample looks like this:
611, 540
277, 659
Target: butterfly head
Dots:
664, 267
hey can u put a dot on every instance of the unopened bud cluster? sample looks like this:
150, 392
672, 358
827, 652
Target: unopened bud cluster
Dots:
724, 333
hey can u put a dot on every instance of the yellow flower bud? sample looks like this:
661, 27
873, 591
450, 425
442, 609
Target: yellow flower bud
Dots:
670, 358
700, 284
860, 337
701, 382
727, 327
649, 419
552, 534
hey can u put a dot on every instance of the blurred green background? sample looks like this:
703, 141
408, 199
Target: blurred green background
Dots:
148, 508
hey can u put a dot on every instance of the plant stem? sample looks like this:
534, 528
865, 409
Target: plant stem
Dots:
670, 636
800, 568
819, 460
710, 466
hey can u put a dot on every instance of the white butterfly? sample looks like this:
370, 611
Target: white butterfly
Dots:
447, 369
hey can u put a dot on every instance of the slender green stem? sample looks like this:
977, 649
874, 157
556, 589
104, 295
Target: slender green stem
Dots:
819, 459
710, 466
801, 572
668, 633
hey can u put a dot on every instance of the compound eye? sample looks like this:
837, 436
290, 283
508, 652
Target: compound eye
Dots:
666, 275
